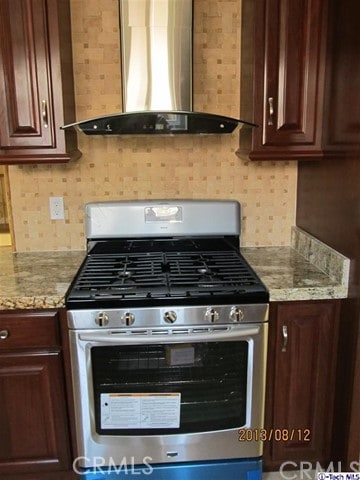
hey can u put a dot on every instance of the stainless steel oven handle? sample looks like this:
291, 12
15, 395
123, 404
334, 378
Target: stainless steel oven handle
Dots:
113, 338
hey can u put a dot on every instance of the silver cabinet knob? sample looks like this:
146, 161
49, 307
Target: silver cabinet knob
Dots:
4, 334
212, 315
128, 318
102, 319
170, 316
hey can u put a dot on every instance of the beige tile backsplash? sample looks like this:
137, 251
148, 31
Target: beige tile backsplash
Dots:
122, 168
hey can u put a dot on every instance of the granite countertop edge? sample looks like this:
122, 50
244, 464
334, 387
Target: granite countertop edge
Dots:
306, 270
315, 293
32, 302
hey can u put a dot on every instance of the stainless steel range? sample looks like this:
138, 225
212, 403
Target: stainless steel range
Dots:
168, 336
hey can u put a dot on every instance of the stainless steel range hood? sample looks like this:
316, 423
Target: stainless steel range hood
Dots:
156, 61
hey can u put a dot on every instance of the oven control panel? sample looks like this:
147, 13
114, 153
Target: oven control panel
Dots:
162, 316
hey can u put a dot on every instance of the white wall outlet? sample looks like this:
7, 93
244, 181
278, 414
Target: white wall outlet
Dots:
56, 205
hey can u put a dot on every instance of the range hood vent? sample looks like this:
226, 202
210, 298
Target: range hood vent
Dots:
156, 65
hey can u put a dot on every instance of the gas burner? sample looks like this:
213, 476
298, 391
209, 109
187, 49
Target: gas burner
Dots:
125, 274
122, 288
205, 271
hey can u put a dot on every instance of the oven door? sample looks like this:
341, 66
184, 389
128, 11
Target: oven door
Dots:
168, 394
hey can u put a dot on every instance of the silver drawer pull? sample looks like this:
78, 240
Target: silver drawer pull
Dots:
4, 334
285, 338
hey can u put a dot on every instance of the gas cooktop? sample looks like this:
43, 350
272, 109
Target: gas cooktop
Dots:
149, 272
160, 253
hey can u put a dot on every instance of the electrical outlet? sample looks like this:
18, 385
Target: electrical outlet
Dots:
56, 205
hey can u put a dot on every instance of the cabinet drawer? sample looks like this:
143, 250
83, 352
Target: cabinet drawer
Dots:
29, 330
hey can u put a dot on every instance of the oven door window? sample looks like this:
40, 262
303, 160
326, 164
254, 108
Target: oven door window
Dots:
166, 389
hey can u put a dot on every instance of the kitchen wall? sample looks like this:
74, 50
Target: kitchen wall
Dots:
328, 207
146, 167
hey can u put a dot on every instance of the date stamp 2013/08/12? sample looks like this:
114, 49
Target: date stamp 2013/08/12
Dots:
274, 434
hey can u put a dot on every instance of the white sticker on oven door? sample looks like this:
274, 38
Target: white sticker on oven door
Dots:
140, 410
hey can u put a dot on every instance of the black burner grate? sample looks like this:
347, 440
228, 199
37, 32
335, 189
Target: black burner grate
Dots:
164, 274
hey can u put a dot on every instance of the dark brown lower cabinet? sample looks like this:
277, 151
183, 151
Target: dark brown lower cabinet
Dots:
303, 338
34, 437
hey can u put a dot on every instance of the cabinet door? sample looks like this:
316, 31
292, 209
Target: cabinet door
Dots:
25, 94
288, 78
32, 84
32, 413
303, 348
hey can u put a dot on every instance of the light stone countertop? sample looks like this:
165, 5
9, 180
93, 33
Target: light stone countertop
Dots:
289, 276
36, 280
41, 279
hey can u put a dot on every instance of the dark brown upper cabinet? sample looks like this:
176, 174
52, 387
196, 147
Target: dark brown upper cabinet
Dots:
36, 82
284, 49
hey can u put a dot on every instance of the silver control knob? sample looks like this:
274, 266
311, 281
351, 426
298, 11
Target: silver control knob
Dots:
128, 318
170, 316
4, 334
102, 319
236, 314
212, 315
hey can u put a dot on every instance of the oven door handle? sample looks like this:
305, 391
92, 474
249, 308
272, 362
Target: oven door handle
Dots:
114, 338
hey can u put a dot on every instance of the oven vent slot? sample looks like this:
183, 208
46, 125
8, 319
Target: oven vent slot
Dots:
170, 331
163, 331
